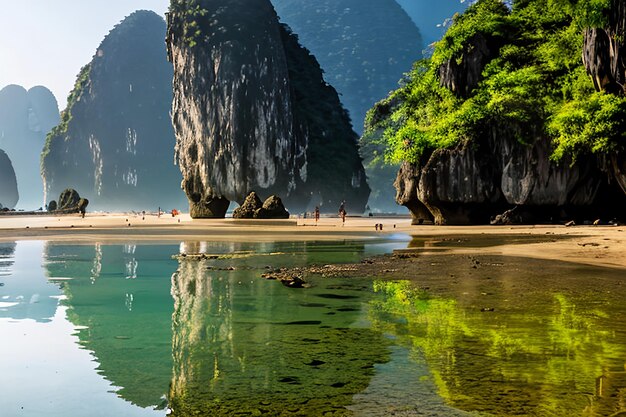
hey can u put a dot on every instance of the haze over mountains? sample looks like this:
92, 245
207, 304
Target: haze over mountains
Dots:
25, 118
116, 133
115, 144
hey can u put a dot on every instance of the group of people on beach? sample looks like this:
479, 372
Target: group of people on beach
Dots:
342, 213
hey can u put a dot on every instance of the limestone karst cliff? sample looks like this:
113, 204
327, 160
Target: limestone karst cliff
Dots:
25, 119
115, 142
604, 56
483, 129
363, 46
9, 195
252, 112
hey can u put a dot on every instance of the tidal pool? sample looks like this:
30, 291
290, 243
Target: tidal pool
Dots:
107, 330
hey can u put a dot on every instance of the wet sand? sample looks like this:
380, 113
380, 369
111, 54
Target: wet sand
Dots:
589, 245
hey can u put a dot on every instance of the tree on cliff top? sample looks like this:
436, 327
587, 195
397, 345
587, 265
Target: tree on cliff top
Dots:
530, 82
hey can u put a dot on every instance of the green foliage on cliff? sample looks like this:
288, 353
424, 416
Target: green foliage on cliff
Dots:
60, 130
192, 13
533, 84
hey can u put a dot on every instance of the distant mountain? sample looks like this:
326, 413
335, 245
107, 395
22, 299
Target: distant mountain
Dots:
115, 142
432, 18
25, 119
364, 46
8, 184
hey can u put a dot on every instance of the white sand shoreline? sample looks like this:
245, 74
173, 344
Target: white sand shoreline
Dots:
589, 245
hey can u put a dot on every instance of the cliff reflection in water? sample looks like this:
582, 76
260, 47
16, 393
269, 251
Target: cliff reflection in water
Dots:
120, 294
561, 359
254, 346
212, 335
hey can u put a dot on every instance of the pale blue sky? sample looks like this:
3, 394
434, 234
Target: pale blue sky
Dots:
46, 42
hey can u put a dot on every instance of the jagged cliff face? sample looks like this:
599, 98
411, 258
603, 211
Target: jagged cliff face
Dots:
240, 111
604, 51
115, 142
474, 182
25, 119
8, 184
364, 46
604, 56
231, 110
505, 160
334, 168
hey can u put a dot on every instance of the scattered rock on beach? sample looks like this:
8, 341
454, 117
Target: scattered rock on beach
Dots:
272, 208
249, 206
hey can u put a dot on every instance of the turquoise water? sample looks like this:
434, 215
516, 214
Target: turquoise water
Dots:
126, 330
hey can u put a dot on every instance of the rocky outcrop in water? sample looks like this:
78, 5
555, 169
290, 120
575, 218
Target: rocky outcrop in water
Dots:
115, 142
25, 119
9, 195
252, 111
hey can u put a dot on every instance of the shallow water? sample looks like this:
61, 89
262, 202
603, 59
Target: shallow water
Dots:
105, 330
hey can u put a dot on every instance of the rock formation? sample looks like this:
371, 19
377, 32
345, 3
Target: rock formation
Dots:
115, 142
25, 119
251, 111
505, 162
474, 182
364, 46
604, 56
246, 210
8, 185
254, 208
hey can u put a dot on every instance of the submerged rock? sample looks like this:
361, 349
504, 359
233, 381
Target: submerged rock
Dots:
9, 195
115, 142
251, 111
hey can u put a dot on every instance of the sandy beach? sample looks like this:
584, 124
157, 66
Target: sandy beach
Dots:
589, 245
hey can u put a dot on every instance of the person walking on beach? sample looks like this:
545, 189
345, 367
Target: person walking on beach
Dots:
317, 214
342, 212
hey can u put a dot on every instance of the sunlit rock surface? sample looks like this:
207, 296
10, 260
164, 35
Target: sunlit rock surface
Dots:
115, 142
25, 119
252, 112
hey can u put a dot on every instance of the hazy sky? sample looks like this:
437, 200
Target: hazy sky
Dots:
46, 42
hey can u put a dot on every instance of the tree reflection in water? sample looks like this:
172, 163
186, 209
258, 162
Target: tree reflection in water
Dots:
543, 362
